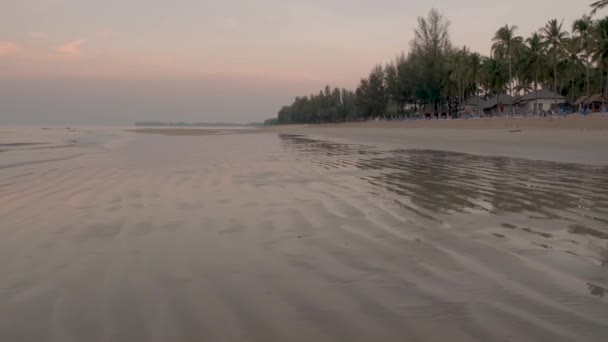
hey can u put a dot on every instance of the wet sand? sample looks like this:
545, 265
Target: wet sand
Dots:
574, 139
278, 237
595, 122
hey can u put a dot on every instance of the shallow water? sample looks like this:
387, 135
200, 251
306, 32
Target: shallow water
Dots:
22, 145
268, 237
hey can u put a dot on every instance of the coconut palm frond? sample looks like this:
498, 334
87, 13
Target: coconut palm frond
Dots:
598, 5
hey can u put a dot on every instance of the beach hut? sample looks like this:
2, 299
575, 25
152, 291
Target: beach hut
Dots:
596, 103
499, 105
473, 106
546, 99
579, 104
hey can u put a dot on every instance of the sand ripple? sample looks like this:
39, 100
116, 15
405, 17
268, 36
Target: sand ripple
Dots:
266, 237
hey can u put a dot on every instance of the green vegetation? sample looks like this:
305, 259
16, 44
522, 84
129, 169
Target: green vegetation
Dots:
437, 78
328, 106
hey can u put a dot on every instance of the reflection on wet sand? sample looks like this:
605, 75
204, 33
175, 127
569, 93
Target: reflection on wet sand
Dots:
446, 182
566, 204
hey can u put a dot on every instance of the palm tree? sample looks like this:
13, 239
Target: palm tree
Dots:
474, 62
533, 61
598, 5
506, 44
572, 63
582, 28
494, 75
554, 37
599, 46
524, 87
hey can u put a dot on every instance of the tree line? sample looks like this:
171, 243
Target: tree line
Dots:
328, 106
436, 77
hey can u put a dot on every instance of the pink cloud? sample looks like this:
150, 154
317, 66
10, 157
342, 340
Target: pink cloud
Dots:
8, 49
73, 48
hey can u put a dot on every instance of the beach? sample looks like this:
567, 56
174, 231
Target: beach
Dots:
573, 139
462, 230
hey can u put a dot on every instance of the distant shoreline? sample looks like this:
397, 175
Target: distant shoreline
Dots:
195, 124
580, 140
176, 131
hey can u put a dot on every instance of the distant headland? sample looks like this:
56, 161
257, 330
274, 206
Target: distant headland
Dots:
195, 124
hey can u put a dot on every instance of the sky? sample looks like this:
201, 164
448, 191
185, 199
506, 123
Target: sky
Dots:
118, 61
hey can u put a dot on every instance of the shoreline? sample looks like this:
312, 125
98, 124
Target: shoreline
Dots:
580, 140
595, 122
574, 139
176, 131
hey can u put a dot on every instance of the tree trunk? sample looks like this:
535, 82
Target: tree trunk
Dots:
606, 89
459, 96
573, 95
463, 92
536, 92
510, 72
601, 78
588, 94
556, 85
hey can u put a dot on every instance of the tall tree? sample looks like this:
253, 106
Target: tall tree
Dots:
599, 46
429, 49
494, 75
371, 94
554, 36
474, 74
459, 65
349, 107
394, 88
506, 44
582, 28
533, 61
573, 64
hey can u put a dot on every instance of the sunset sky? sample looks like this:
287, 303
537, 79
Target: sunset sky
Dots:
118, 61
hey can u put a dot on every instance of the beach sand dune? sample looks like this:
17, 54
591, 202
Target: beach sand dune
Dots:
280, 237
